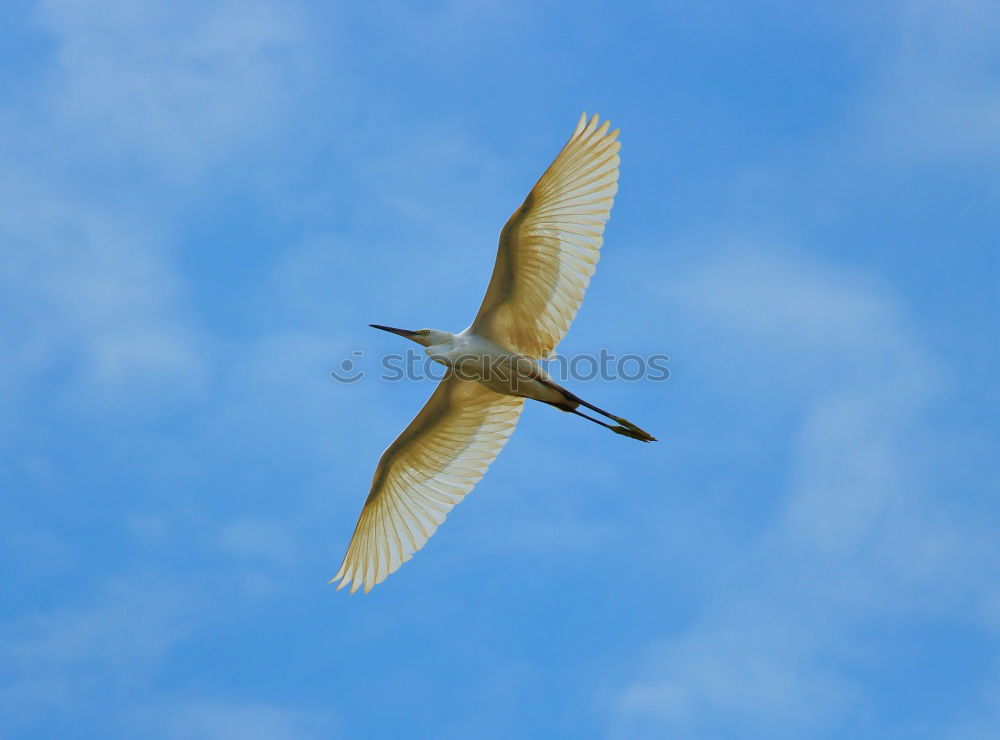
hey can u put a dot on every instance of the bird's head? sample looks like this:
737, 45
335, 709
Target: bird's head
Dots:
426, 337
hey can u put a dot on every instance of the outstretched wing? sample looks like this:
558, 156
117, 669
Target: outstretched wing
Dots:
430, 467
550, 245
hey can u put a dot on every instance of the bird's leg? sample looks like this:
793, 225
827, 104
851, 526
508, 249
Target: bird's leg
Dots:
634, 433
637, 433
591, 418
571, 401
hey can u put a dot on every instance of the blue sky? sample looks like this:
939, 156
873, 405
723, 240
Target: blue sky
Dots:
205, 203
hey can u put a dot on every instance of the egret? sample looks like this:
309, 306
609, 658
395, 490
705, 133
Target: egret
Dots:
548, 251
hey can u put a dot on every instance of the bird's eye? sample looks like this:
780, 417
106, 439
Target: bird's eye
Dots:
425, 332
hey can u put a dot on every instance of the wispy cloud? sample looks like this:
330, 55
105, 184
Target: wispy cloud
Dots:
938, 98
859, 530
149, 97
756, 666
91, 292
175, 86
205, 203
98, 663
221, 720
66, 661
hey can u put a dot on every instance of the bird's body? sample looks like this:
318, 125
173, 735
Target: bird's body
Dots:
547, 254
475, 358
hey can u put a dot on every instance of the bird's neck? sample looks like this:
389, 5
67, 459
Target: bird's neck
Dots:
440, 342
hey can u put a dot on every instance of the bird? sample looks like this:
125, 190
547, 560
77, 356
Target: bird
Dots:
547, 254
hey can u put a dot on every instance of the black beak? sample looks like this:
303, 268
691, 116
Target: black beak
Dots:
401, 332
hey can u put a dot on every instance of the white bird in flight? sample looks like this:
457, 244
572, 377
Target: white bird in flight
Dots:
548, 252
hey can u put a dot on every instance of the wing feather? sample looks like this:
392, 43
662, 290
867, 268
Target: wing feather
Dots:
550, 246
430, 467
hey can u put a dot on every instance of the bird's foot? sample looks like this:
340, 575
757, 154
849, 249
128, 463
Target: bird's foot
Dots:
634, 432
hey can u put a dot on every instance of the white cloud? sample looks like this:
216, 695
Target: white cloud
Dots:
938, 100
177, 86
261, 552
65, 659
90, 293
153, 92
752, 667
257, 539
860, 531
220, 720
99, 662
